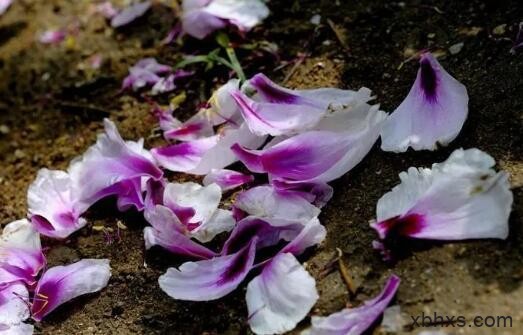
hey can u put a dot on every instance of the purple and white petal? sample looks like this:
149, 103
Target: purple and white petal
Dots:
461, 198
21, 257
221, 221
313, 233
202, 17
227, 179
209, 279
106, 9
319, 155
4, 5
145, 72
318, 194
130, 14
52, 208
52, 36
281, 296
267, 118
60, 284
168, 232
14, 301
110, 161
355, 320
195, 128
269, 202
433, 112
222, 107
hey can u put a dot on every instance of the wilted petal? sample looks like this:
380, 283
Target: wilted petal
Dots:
14, 300
316, 193
281, 296
209, 279
319, 155
130, 14
433, 112
51, 206
63, 283
227, 179
111, 161
269, 202
168, 232
355, 320
145, 72
21, 257
461, 198
202, 17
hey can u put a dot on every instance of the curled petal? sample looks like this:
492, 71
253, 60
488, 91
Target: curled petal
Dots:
355, 320
281, 296
433, 112
14, 299
63, 283
227, 179
222, 107
109, 162
52, 208
312, 233
168, 232
130, 14
269, 202
209, 279
461, 198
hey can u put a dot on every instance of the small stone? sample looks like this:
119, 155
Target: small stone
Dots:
4, 130
456, 48
315, 19
19, 154
500, 30
431, 35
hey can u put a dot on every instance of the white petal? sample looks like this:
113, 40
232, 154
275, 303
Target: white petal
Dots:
20, 234
244, 14
221, 221
281, 296
204, 200
18, 329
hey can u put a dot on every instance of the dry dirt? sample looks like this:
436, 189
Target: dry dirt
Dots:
51, 108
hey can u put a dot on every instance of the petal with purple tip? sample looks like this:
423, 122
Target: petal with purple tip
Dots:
281, 296
209, 279
433, 112
227, 179
63, 283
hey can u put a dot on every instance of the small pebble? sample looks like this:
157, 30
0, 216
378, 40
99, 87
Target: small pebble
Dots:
499, 30
4, 130
315, 19
456, 48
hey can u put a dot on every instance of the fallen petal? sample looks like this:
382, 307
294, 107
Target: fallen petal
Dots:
281, 296
52, 208
14, 299
130, 14
433, 112
461, 198
355, 320
209, 279
63, 283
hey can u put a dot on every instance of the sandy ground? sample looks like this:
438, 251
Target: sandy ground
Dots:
52, 106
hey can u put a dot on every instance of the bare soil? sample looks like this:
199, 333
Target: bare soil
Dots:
51, 108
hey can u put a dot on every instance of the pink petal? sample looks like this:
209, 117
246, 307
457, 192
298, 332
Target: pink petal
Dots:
355, 320
461, 198
433, 112
63, 283
52, 37
227, 179
168, 232
130, 14
312, 233
52, 208
318, 194
281, 296
101, 171
195, 128
4, 5
106, 9
209, 279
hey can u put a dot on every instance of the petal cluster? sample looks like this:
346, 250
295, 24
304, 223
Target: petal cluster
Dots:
201, 17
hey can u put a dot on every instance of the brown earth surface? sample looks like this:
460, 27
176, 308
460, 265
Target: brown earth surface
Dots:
52, 106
